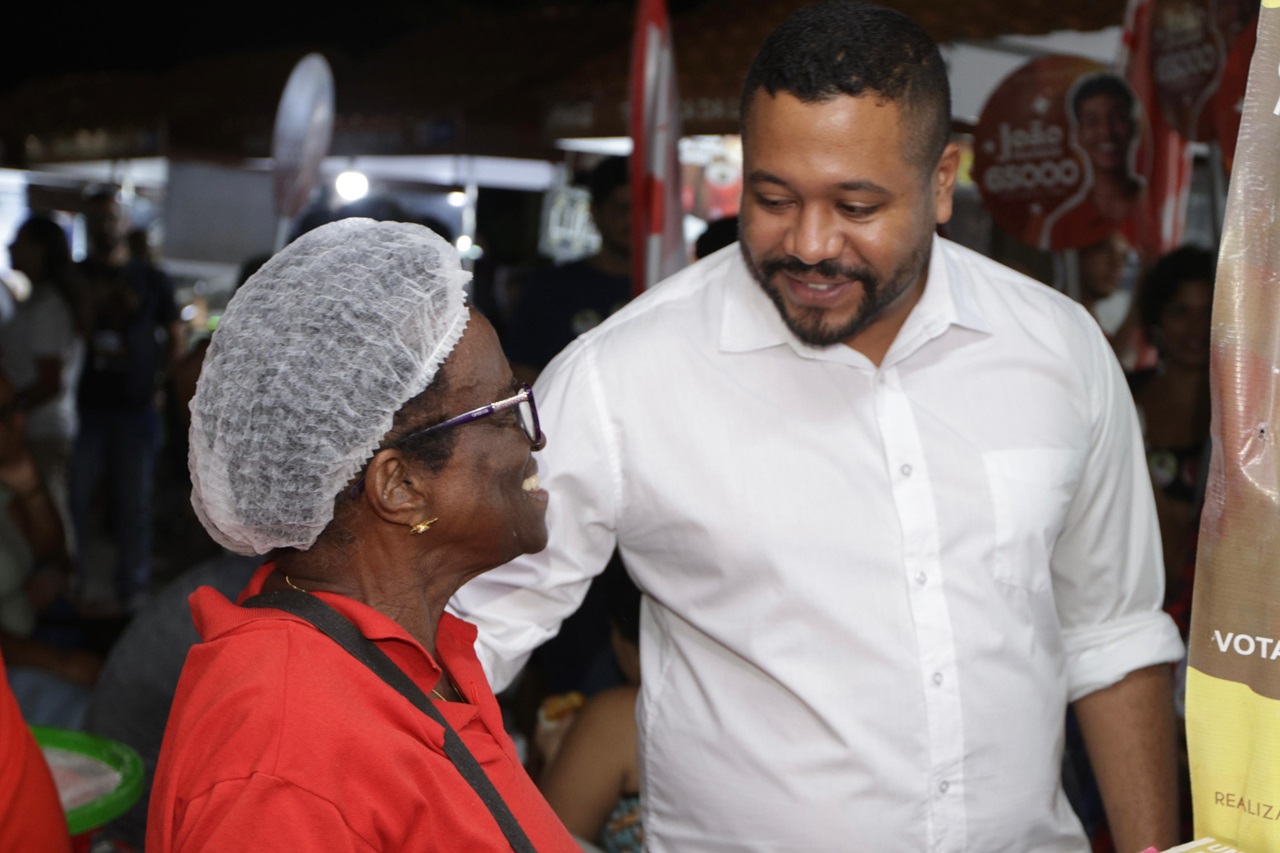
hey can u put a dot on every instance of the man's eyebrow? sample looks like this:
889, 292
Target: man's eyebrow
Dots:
863, 186
760, 176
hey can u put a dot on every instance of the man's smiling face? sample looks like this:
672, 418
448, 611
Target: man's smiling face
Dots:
837, 221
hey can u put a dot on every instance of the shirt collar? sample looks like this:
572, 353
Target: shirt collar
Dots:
751, 322
215, 616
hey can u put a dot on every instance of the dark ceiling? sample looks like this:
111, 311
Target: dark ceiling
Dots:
412, 76
54, 39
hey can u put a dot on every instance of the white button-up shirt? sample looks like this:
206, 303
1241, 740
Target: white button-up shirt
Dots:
870, 591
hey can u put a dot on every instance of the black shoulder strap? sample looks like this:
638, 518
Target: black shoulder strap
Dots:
345, 634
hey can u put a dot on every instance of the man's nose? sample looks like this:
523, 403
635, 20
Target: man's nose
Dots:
815, 236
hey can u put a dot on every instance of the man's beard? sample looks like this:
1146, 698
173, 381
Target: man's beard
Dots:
808, 323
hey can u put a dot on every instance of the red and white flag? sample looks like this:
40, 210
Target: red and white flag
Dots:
657, 221
1147, 44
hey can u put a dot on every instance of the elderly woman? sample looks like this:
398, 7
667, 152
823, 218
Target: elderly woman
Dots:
358, 424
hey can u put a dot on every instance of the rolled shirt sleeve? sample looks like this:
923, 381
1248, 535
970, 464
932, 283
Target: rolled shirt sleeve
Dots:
1107, 566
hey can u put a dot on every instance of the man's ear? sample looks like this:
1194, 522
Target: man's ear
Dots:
395, 490
944, 181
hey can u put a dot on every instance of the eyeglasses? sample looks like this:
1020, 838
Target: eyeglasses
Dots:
526, 416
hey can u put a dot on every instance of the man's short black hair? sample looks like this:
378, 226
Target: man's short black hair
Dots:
1160, 284
850, 48
609, 174
1102, 83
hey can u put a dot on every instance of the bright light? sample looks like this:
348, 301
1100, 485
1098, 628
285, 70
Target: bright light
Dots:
351, 186
456, 198
468, 248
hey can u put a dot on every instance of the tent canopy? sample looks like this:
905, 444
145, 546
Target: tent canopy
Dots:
497, 84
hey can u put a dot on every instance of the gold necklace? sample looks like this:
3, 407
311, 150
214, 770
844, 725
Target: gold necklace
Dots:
437, 694
434, 692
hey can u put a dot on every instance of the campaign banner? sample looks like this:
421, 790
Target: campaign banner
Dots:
1233, 679
1061, 154
1190, 47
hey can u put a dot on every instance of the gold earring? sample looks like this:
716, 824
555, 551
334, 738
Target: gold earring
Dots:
423, 526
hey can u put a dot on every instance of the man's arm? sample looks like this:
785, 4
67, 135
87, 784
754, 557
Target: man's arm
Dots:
1129, 733
1108, 588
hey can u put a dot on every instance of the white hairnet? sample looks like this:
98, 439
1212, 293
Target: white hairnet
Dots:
311, 361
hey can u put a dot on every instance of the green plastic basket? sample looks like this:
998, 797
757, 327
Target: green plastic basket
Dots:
112, 753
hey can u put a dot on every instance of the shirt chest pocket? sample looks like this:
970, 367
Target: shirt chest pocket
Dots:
1031, 490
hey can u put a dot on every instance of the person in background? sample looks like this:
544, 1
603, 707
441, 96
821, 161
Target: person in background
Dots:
42, 352
135, 332
357, 422
556, 305
1175, 303
593, 778
721, 233
131, 700
51, 683
885, 499
31, 815
1102, 267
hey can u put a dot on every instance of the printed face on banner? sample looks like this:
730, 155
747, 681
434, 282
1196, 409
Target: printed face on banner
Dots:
1057, 152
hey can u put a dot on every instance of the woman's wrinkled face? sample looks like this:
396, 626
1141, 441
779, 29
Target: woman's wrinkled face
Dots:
488, 492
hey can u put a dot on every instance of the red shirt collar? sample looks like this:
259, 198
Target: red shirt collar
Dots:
214, 616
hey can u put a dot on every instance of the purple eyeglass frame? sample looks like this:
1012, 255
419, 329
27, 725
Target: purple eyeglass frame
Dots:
524, 394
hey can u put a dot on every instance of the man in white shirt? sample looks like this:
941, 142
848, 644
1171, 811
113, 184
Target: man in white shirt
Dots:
886, 500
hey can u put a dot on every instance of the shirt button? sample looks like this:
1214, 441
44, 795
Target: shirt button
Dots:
906, 470
942, 787
937, 678
922, 578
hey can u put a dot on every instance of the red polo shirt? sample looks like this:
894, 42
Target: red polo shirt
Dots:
280, 739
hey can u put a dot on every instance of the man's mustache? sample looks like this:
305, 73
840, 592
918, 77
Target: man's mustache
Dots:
827, 269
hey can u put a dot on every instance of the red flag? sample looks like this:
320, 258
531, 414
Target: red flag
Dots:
1158, 224
657, 227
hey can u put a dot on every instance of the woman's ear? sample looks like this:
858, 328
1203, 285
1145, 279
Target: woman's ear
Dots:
397, 491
